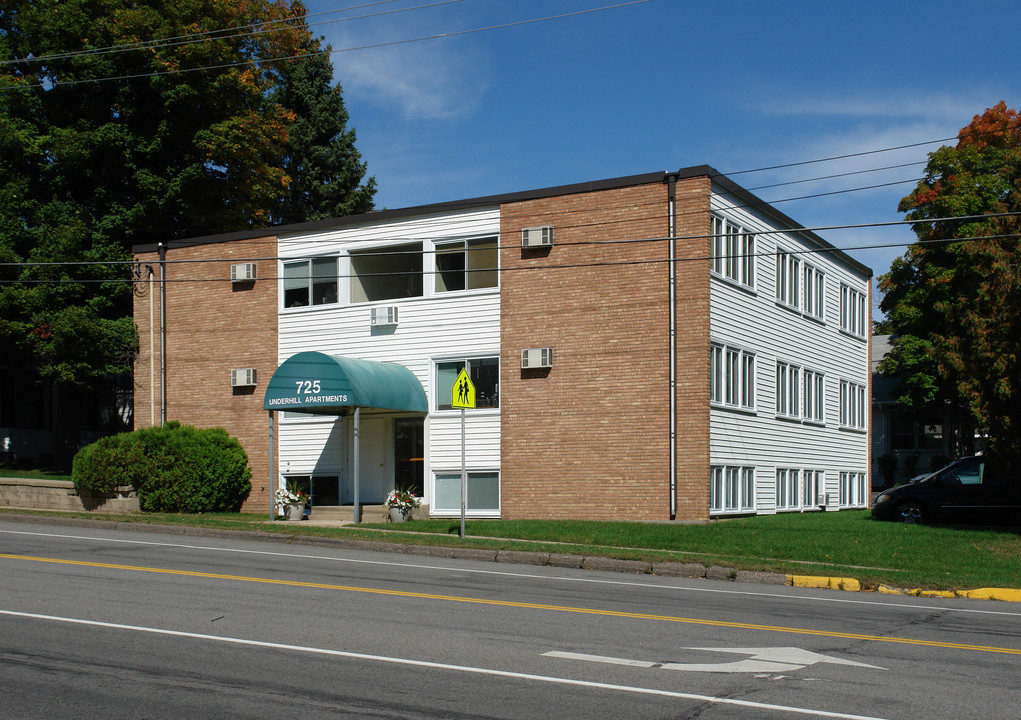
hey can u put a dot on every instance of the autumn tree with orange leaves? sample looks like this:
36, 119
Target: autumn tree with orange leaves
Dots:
146, 121
953, 301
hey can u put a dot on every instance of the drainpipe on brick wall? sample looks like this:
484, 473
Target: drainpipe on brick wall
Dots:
672, 221
163, 333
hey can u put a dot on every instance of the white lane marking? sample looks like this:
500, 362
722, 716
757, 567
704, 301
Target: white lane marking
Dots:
762, 660
445, 666
505, 573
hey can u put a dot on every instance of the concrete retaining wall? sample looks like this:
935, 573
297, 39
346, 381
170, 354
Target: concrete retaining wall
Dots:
62, 495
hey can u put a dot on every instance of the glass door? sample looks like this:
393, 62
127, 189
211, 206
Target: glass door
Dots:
409, 454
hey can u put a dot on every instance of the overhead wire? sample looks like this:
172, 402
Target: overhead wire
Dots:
702, 258
391, 43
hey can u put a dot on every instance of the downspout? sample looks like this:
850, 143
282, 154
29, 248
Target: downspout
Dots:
163, 333
672, 274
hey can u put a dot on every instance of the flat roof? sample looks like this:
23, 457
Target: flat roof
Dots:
728, 185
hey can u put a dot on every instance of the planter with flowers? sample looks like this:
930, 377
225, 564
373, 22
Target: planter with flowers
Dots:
400, 502
293, 502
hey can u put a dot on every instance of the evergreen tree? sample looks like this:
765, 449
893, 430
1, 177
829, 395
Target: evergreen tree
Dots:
322, 163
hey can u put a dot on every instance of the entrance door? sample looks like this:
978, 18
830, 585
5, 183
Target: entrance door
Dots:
409, 454
374, 460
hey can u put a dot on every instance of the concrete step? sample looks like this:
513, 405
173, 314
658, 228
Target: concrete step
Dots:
341, 514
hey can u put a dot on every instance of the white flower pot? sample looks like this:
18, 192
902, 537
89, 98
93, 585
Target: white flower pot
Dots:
294, 511
397, 515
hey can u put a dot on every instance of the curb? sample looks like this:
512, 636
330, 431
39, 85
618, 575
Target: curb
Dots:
527, 557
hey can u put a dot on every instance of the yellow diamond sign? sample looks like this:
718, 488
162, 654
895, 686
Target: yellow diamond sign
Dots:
462, 394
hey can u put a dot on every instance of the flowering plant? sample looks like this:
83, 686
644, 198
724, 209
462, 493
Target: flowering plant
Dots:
291, 496
403, 499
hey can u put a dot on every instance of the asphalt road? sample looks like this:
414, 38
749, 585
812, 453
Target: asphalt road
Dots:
120, 624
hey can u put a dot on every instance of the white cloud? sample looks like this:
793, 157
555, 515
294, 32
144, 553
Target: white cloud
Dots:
432, 79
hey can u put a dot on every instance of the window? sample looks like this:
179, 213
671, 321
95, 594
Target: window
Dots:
813, 481
483, 492
732, 377
814, 291
466, 264
787, 497
814, 398
387, 273
787, 390
853, 490
733, 252
484, 374
852, 311
852, 405
788, 272
310, 282
732, 489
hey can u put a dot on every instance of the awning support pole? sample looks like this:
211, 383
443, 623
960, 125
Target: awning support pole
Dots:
358, 507
270, 479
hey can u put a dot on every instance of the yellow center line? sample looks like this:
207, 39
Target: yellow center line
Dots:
526, 605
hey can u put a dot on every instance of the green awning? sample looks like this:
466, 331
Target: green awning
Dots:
312, 382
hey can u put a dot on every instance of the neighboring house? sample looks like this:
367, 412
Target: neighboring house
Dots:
909, 444
655, 347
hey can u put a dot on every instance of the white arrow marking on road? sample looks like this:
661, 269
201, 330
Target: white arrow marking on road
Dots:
776, 659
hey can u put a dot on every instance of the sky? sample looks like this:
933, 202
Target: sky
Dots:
467, 98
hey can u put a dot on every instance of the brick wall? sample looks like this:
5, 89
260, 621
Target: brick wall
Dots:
590, 437
213, 326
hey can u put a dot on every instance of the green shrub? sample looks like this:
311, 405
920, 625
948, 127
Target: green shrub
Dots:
111, 461
180, 468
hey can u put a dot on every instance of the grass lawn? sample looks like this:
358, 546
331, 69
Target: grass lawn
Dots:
845, 544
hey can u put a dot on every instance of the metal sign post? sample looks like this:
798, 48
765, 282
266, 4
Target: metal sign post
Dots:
462, 395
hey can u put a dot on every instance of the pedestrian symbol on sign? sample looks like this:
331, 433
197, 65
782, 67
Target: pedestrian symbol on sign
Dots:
462, 394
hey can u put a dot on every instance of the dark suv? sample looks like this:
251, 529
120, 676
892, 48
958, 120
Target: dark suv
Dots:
968, 491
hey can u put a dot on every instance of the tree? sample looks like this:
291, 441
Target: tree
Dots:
954, 299
152, 120
320, 158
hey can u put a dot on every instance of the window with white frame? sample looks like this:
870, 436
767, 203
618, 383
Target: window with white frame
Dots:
467, 264
852, 311
386, 273
733, 252
731, 489
812, 482
787, 483
853, 490
310, 282
485, 376
788, 274
814, 291
852, 405
732, 377
483, 492
813, 396
787, 390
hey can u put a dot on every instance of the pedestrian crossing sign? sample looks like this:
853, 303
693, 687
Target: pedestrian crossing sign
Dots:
462, 394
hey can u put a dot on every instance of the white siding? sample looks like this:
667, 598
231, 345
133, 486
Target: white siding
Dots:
431, 328
754, 321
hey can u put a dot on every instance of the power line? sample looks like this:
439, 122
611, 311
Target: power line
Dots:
703, 258
246, 63
250, 30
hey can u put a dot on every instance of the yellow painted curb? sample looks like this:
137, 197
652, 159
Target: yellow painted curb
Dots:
822, 581
1003, 594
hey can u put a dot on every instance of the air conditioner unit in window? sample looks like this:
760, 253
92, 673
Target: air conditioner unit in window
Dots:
823, 499
537, 236
242, 272
536, 358
383, 315
242, 377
